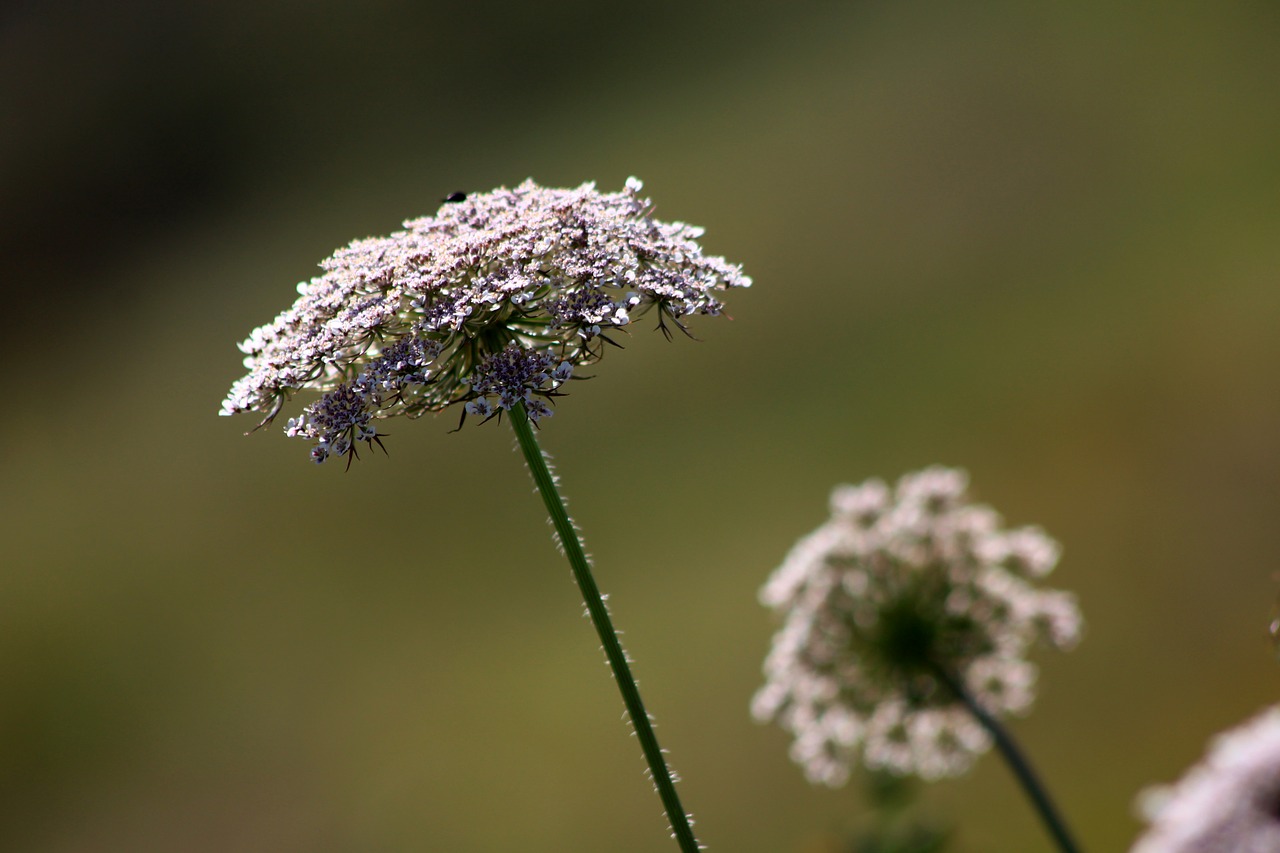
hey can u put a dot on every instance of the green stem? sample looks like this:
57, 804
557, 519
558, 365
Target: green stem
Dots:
546, 484
1017, 762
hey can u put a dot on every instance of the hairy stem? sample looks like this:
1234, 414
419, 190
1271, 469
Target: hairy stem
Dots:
573, 550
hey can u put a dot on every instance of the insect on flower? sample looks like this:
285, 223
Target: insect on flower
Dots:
491, 304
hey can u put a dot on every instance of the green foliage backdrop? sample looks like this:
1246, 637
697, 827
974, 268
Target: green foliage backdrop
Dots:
1036, 242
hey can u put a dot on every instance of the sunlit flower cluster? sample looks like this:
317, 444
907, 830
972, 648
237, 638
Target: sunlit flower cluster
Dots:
1230, 801
492, 302
899, 592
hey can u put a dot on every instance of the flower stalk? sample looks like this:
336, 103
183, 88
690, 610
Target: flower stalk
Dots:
1017, 761
491, 305
545, 482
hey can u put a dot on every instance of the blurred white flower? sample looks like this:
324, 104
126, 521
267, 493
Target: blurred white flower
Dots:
897, 587
1228, 803
491, 302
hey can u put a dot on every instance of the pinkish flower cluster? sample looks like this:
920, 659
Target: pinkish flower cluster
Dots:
900, 593
493, 302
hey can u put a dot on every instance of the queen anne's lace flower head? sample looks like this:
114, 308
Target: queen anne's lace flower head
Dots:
492, 302
898, 587
1230, 801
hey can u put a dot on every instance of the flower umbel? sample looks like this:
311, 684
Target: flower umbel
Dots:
1230, 801
900, 592
495, 300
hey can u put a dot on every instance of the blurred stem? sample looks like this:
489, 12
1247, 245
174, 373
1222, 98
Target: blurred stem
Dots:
573, 550
1017, 762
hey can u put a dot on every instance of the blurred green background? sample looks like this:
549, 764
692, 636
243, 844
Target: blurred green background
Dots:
1038, 241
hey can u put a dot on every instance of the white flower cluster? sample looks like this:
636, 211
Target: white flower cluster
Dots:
492, 303
1228, 802
898, 593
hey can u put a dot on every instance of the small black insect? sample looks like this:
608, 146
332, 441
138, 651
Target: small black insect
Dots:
455, 197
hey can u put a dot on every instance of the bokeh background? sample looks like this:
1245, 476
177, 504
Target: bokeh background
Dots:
1038, 241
